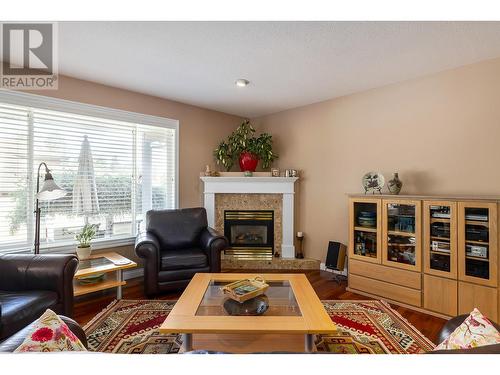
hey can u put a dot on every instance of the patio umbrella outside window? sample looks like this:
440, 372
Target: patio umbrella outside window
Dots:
85, 201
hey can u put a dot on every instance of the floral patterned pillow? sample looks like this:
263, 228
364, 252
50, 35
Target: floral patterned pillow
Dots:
475, 331
50, 334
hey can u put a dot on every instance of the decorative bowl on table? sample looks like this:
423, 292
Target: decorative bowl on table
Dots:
251, 307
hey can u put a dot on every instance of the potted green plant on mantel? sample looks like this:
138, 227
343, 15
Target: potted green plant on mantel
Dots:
84, 248
248, 149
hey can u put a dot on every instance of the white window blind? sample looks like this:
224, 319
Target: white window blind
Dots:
134, 170
14, 167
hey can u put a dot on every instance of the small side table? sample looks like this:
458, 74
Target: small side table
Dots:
110, 264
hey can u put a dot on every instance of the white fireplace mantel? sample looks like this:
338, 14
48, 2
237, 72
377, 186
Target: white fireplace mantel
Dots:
256, 185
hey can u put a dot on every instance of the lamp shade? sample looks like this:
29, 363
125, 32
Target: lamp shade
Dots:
50, 190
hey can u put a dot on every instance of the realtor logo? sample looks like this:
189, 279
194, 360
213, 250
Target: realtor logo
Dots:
29, 60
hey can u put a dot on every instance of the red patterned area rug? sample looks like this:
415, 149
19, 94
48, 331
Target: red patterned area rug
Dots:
372, 327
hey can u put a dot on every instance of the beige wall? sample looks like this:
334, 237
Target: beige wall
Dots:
422, 129
441, 133
200, 129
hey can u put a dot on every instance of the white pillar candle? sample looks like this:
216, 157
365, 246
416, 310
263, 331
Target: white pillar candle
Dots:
300, 234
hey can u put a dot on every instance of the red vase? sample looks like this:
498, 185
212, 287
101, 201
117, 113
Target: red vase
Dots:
248, 161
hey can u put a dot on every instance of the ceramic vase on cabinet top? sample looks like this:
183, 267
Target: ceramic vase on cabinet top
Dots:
395, 184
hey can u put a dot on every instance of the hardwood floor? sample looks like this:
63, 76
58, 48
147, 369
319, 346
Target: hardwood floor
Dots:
86, 307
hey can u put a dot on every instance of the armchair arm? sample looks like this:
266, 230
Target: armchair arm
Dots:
147, 247
213, 243
76, 329
52, 272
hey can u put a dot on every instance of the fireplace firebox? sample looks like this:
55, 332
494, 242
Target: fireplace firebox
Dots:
250, 233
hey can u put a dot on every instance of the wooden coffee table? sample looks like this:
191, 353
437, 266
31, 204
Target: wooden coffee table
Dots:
294, 311
102, 263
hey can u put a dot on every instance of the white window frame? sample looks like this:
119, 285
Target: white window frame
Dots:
55, 104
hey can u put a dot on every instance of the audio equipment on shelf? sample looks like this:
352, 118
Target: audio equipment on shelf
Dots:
479, 251
477, 233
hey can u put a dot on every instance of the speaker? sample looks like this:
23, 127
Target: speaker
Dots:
335, 257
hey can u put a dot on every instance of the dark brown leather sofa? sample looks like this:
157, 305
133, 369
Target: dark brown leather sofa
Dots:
31, 284
176, 245
453, 324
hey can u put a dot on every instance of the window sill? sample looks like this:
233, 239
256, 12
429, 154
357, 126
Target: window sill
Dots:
70, 248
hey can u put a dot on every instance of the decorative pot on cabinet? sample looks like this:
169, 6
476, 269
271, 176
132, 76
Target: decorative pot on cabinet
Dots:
395, 184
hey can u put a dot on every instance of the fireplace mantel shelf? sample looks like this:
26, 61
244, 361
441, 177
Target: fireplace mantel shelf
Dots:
249, 185
250, 179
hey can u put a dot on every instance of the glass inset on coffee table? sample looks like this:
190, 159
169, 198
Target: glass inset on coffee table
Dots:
279, 300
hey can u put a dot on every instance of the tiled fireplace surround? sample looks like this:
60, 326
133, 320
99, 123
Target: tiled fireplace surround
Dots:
251, 202
232, 191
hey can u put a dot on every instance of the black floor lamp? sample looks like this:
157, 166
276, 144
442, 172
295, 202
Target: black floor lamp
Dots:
49, 192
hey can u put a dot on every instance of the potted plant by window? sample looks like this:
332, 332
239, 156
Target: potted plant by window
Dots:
248, 149
84, 248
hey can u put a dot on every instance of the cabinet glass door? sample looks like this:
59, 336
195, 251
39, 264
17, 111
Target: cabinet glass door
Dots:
440, 238
478, 238
365, 229
402, 234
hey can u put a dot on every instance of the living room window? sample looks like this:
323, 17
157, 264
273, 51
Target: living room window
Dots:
114, 165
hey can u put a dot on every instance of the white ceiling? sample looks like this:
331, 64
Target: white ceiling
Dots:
289, 64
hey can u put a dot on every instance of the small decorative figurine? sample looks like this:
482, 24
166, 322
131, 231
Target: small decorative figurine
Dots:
208, 172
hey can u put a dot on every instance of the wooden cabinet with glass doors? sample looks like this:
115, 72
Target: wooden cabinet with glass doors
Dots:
477, 243
440, 291
439, 253
364, 229
401, 234
384, 248
440, 238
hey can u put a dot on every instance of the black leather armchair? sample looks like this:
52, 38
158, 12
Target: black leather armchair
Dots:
176, 245
30, 284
